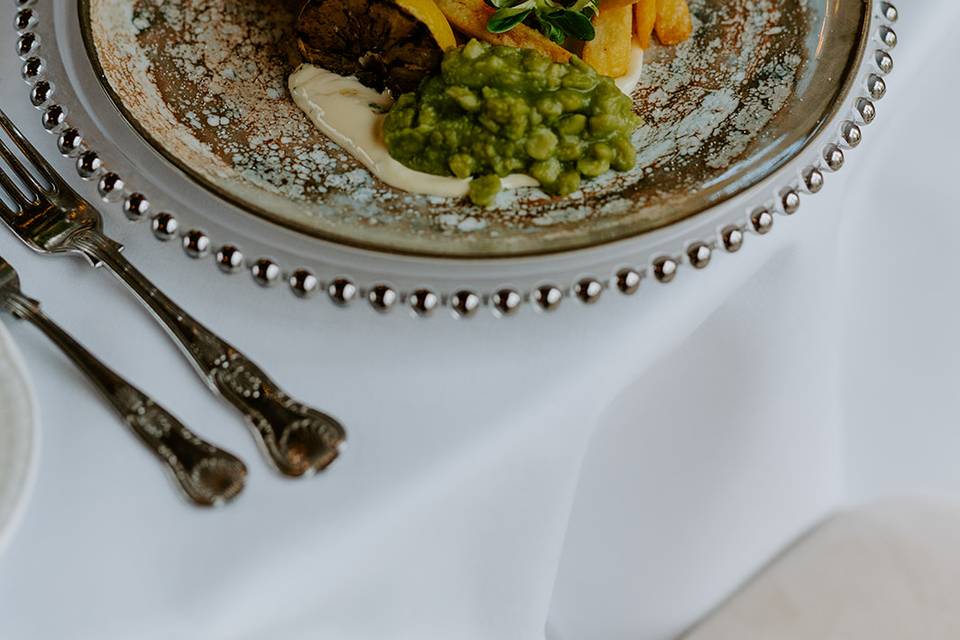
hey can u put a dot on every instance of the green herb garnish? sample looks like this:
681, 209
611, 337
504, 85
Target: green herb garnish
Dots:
555, 20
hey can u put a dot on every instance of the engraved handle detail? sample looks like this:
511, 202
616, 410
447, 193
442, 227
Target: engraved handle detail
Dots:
298, 440
207, 474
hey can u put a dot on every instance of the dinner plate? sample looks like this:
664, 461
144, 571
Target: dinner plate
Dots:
183, 104
18, 438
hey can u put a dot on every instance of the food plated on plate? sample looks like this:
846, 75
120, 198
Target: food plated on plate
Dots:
457, 98
206, 85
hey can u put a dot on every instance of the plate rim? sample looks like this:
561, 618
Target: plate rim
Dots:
17, 507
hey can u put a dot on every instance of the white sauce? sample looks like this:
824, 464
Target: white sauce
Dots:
340, 107
351, 115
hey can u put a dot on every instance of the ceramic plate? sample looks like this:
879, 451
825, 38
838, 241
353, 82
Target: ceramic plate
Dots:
18, 437
204, 82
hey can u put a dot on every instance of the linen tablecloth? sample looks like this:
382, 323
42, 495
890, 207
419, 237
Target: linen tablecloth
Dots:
606, 472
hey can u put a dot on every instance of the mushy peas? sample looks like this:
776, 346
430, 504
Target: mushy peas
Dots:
494, 111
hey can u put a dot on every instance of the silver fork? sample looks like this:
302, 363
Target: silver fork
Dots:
55, 219
206, 474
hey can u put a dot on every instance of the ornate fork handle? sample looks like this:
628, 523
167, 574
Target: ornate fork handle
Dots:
207, 475
297, 439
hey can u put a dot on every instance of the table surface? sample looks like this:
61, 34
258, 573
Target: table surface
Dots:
600, 472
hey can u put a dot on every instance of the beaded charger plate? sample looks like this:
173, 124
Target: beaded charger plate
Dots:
183, 104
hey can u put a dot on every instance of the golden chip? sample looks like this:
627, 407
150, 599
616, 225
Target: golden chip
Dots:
644, 17
609, 52
673, 24
616, 4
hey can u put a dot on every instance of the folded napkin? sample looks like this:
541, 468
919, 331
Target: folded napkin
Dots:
889, 571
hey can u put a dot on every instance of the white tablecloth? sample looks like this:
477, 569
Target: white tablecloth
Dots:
608, 472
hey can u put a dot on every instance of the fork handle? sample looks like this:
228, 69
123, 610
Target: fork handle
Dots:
206, 474
298, 440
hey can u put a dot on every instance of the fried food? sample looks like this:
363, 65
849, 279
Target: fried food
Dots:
381, 42
674, 23
616, 4
644, 17
609, 52
470, 17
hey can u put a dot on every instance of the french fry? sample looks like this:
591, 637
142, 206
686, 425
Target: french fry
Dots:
644, 17
674, 24
616, 4
609, 52
470, 17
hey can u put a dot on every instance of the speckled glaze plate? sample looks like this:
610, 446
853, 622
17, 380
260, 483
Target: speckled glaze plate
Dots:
204, 81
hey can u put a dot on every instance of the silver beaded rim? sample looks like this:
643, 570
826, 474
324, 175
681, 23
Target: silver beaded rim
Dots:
422, 302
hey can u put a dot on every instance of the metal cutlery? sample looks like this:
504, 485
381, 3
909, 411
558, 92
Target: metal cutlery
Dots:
206, 474
54, 219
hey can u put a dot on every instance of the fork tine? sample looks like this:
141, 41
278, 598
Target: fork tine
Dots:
6, 213
41, 165
12, 190
14, 163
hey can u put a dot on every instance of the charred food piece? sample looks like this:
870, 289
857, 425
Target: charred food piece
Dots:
375, 40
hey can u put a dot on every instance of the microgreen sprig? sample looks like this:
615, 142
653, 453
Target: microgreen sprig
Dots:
555, 20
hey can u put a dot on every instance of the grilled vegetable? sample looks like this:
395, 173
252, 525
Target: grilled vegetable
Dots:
384, 43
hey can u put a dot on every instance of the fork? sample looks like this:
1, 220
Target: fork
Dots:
207, 475
54, 219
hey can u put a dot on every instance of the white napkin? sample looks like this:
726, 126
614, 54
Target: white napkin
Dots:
889, 571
